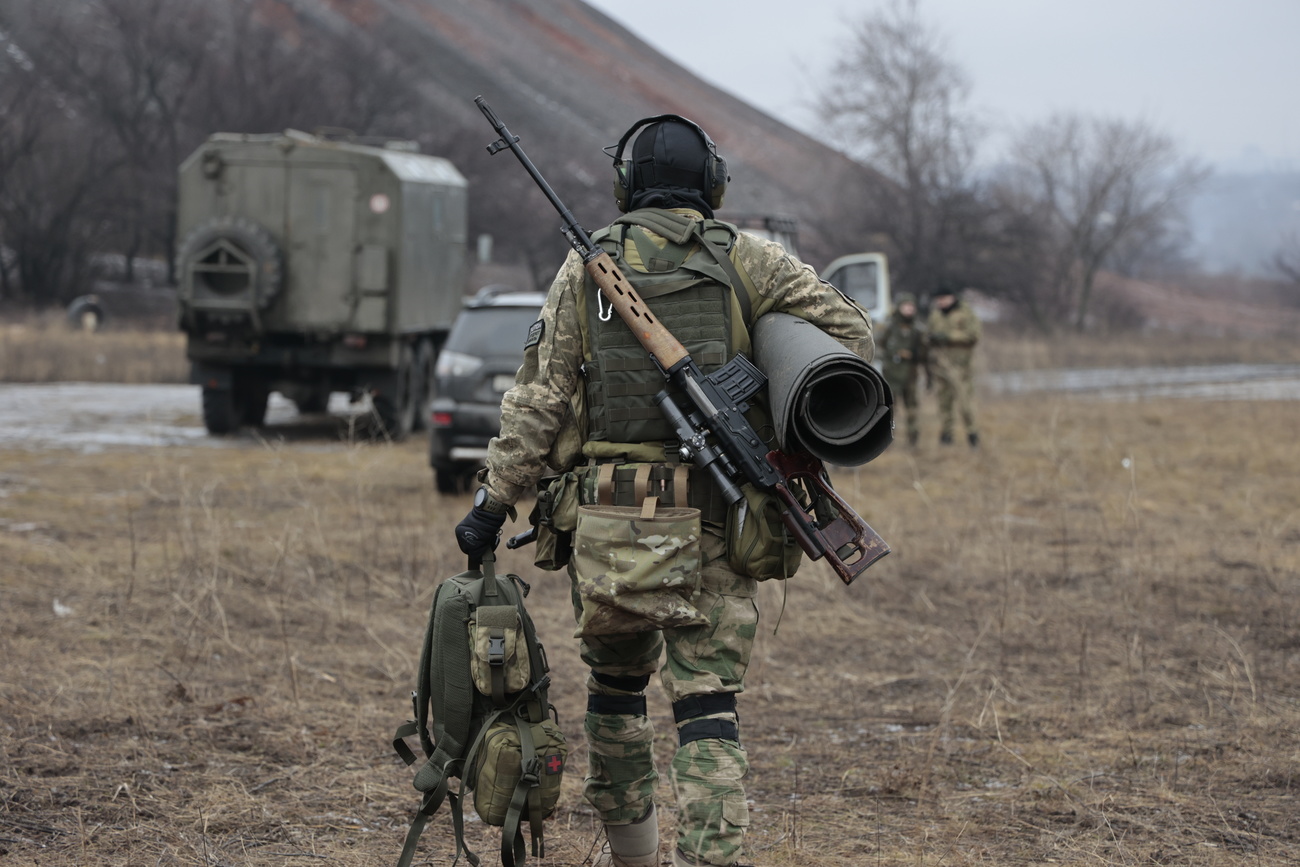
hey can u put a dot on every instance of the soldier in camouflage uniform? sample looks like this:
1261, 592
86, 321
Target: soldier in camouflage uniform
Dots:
954, 329
902, 349
582, 397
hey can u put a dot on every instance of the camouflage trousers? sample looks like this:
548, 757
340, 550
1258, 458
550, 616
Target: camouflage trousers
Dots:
903, 379
698, 660
955, 384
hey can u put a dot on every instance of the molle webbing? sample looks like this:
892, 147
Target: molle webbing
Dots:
630, 484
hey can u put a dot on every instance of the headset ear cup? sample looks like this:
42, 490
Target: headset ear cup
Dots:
622, 195
718, 182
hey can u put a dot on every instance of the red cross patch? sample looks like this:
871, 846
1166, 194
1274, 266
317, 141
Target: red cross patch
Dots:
554, 764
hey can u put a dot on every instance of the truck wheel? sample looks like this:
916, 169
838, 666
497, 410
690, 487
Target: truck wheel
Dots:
395, 410
227, 257
85, 313
423, 383
446, 480
254, 396
316, 402
221, 411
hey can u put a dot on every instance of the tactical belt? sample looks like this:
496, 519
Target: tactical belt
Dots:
630, 484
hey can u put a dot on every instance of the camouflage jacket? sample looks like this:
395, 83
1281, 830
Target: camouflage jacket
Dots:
958, 328
543, 421
902, 347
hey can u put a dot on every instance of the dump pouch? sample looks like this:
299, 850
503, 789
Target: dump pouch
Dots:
636, 569
758, 544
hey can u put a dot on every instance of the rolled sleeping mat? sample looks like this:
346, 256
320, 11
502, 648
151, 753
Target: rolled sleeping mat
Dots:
825, 400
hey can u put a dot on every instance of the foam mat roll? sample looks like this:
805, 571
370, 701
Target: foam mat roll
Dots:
825, 400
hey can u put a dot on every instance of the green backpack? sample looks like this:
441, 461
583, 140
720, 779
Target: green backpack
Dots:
483, 685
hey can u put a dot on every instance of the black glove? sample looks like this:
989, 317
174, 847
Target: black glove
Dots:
478, 531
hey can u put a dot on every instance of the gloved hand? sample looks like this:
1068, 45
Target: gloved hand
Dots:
478, 531
938, 339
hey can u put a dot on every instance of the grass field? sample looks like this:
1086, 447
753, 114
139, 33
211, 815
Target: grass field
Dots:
1085, 649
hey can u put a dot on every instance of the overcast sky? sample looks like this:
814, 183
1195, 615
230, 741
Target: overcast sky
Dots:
1222, 77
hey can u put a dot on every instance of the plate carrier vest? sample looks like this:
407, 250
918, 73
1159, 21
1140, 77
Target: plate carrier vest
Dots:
697, 291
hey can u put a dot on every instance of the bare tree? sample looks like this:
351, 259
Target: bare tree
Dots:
101, 100
52, 180
1286, 261
898, 103
1101, 188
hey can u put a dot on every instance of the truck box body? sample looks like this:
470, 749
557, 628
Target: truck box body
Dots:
316, 261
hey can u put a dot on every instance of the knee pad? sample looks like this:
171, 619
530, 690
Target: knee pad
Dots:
619, 704
686, 712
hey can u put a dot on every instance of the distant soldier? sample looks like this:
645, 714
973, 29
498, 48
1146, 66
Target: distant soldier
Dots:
954, 329
903, 354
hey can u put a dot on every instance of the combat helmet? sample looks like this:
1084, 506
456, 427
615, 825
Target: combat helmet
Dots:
672, 153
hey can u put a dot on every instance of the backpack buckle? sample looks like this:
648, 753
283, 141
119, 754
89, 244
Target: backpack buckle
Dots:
496, 650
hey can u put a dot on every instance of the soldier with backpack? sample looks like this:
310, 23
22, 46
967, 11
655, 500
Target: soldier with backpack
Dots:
584, 405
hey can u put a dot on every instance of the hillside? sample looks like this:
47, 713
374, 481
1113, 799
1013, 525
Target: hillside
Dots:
569, 80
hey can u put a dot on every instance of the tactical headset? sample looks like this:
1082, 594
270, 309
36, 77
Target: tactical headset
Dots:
714, 169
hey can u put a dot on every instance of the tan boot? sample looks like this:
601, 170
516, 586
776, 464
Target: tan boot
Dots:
632, 845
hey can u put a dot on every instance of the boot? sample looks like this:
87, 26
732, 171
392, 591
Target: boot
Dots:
945, 439
634, 845
973, 439
680, 860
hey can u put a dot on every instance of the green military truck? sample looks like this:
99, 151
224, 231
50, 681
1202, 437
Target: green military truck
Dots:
310, 266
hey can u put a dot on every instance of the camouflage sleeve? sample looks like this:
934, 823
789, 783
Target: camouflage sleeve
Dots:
961, 327
970, 326
787, 285
538, 424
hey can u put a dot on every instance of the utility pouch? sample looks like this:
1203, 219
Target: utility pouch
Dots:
556, 517
637, 568
503, 759
758, 543
498, 653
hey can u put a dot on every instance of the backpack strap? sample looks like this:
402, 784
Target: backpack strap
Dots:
742, 287
528, 792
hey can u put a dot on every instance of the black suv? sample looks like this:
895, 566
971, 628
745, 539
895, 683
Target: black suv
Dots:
477, 366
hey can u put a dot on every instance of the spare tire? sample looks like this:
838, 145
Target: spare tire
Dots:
86, 313
227, 257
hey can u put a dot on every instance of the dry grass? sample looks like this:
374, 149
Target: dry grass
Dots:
45, 349
1084, 649
1004, 350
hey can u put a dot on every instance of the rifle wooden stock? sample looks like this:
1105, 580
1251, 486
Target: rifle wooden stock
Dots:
657, 340
848, 543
